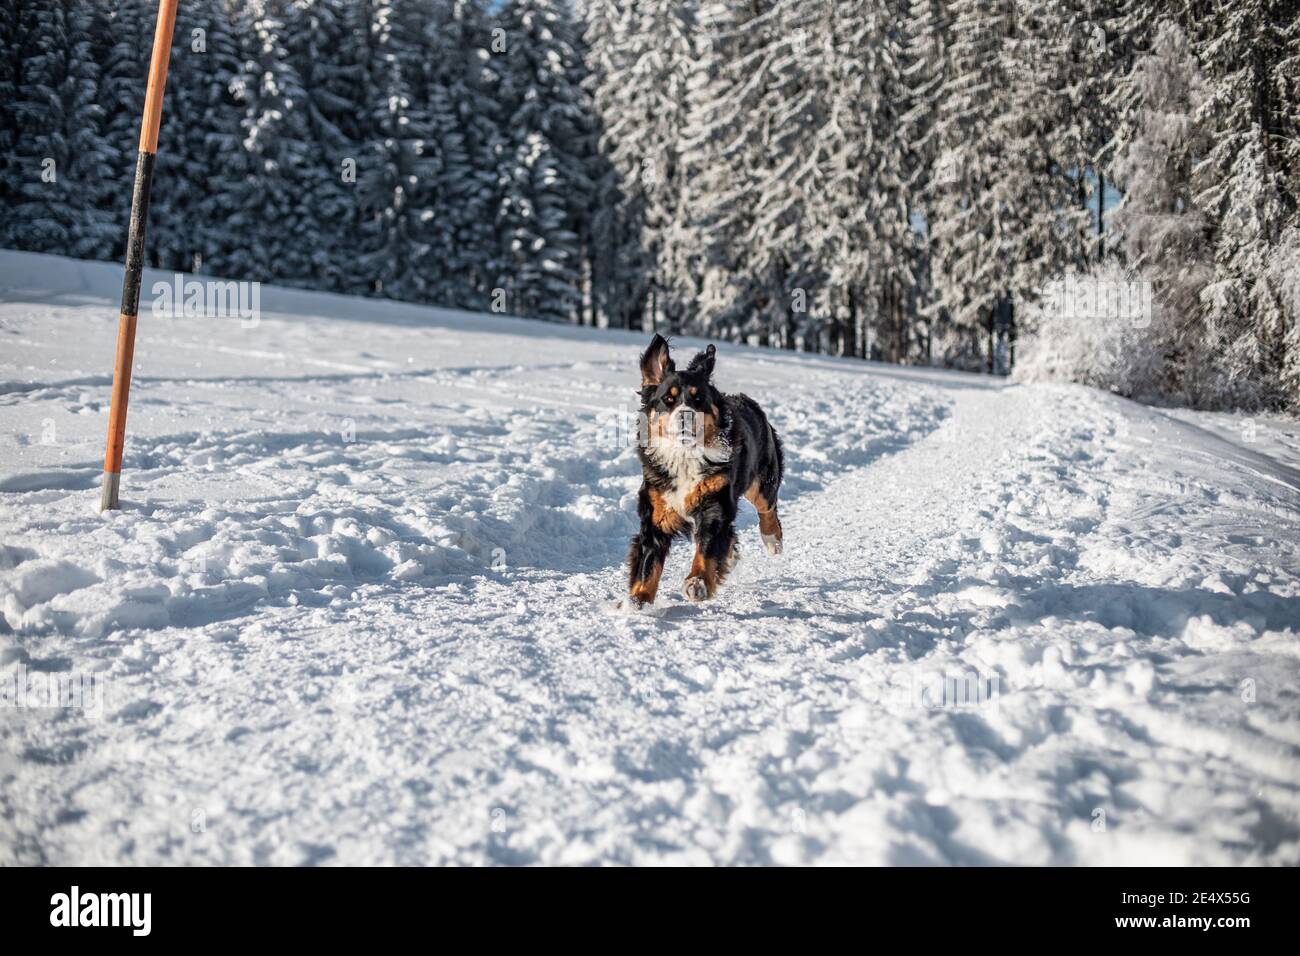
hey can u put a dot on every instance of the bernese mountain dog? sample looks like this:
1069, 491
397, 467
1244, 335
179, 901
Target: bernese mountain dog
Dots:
700, 451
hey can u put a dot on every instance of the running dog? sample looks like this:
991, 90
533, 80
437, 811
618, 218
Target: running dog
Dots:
701, 451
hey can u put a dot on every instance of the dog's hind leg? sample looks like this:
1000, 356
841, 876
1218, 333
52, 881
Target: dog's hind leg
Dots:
769, 522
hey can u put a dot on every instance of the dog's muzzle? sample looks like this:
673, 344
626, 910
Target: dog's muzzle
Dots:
687, 426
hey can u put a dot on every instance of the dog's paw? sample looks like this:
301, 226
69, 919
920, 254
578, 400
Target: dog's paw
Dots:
632, 605
696, 589
772, 543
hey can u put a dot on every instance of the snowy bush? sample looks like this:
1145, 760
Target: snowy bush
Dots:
1101, 328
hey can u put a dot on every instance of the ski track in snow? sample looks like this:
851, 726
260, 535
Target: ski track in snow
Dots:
360, 607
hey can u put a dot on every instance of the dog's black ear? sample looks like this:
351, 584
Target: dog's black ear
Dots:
703, 361
655, 361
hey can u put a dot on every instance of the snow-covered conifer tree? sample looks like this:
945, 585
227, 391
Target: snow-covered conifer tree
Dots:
280, 149
1039, 187
464, 123
395, 170
328, 43
971, 275
542, 172
197, 219
56, 153
10, 25
1161, 229
1242, 185
923, 69
743, 60
640, 60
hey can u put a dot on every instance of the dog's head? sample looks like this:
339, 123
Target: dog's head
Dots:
679, 407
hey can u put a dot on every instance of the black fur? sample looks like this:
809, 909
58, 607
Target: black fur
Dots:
745, 451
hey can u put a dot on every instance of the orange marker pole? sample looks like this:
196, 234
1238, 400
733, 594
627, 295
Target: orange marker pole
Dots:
153, 96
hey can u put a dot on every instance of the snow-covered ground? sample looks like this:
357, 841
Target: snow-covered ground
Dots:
360, 606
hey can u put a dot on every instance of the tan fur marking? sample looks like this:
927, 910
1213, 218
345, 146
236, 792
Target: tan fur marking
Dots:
702, 490
644, 591
768, 521
707, 571
710, 429
664, 517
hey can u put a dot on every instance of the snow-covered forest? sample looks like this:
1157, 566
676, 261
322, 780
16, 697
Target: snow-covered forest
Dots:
1099, 190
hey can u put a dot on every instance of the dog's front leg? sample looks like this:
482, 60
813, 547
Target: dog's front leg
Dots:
715, 546
649, 549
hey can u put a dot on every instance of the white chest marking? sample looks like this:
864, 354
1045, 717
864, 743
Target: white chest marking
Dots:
686, 464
